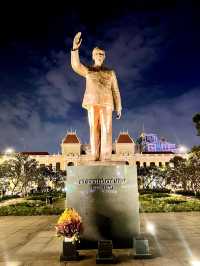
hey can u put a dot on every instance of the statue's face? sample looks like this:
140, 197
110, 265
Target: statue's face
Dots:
98, 57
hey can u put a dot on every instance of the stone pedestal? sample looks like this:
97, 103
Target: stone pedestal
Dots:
104, 254
69, 252
106, 196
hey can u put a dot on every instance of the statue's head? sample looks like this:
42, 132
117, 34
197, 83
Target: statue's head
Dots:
98, 55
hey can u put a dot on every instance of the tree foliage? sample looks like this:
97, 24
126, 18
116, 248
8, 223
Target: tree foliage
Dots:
182, 174
185, 174
151, 178
4, 182
22, 173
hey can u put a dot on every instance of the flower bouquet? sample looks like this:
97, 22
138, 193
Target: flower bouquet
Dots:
69, 225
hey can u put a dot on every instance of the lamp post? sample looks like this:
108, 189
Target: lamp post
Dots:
182, 149
9, 151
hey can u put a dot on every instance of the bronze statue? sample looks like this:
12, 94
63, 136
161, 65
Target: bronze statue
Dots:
101, 97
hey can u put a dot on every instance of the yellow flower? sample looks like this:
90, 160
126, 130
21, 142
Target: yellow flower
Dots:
68, 215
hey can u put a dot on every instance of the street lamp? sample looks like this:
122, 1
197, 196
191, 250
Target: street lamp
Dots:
9, 151
182, 149
150, 227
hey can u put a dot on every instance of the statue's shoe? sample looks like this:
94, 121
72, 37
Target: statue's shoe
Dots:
95, 158
105, 158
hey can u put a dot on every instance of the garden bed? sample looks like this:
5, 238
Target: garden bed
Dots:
162, 202
29, 208
153, 202
8, 197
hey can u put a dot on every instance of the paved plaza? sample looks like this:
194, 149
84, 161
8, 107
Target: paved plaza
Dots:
31, 241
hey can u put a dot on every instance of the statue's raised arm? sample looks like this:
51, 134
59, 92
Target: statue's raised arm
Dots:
75, 61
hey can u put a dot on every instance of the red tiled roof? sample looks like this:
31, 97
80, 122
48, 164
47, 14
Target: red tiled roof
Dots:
35, 153
71, 138
124, 138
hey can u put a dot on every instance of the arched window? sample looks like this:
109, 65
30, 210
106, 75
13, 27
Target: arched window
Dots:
127, 163
138, 164
57, 166
70, 164
152, 164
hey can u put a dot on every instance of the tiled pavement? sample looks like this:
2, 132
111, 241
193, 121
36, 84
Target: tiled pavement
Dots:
31, 241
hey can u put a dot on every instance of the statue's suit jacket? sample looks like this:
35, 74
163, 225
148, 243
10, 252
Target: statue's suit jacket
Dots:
101, 84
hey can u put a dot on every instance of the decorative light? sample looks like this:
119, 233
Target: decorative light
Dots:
150, 228
9, 151
195, 262
182, 149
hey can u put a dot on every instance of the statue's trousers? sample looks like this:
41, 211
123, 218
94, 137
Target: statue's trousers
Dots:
100, 121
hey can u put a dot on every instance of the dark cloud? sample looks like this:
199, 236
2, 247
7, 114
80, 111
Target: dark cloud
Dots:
170, 118
48, 102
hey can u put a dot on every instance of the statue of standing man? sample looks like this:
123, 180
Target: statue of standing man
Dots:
101, 97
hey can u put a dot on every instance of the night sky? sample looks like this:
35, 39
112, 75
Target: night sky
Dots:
154, 49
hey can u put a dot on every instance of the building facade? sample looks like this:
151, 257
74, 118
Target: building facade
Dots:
125, 149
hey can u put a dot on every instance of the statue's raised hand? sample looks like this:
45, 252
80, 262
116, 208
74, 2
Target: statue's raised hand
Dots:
77, 41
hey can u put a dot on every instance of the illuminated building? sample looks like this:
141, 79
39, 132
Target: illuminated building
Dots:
139, 153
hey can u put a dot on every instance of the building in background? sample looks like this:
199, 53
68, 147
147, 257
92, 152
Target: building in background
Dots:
151, 143
148, 150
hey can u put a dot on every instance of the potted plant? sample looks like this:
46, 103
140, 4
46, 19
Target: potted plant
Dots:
69, 226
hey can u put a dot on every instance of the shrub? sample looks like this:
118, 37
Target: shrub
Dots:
38, 197
168, 204
30, 204
29, 208
52, 193
175, 200
150, 191
188, 193
7, 197
150, 197
44, 196
160, 195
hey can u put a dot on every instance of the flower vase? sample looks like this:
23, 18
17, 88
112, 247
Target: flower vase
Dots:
69, 250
